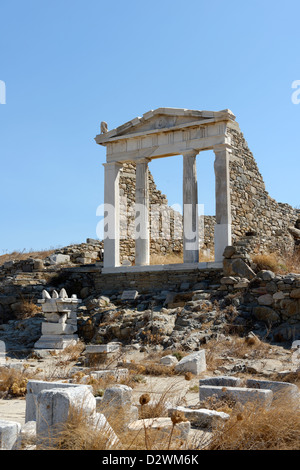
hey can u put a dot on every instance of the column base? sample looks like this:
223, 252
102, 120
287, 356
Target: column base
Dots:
191, 256
222, 238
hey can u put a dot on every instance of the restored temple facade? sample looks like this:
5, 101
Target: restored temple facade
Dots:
160, 133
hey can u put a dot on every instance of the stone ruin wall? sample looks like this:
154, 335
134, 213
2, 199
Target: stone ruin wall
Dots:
253, 210
158, 245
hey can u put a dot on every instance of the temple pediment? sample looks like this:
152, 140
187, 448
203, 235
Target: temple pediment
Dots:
162, 120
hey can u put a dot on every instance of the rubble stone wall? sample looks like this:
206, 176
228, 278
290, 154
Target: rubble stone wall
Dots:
253, 210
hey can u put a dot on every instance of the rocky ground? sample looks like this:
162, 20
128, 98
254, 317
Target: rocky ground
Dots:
148, 329
246, 327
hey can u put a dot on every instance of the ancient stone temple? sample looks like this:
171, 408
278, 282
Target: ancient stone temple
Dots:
242, 204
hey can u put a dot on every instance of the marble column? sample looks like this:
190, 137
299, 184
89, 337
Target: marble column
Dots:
223, 205
112, 214
142, 238
190, 208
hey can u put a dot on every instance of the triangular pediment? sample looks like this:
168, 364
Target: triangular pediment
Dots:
162, 119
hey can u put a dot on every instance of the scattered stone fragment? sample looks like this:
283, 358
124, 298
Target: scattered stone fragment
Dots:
195, 363
202, 417
9, 432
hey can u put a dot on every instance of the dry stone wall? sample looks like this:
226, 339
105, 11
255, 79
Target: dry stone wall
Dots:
253, 210
159, 244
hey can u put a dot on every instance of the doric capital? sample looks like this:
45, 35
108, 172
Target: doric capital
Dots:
221, 147
112, 164
190, 153
143, 160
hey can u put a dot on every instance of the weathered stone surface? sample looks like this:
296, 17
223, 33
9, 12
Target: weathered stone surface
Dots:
163, 324
266, 314
281, 390
295, 232
202, 417
266, 275
129, 295
53, 408
103, 374
59, 259
27, 434
55, 341
239, 394
237, 267
117, 404
286, 332
102, 348
34, 387
9, 431
2, 353
229, 251
99, 423
161, 427
266, 366
168, 360
290, 307
58, 329
228, 280
266, 299
117, 396
295, 294
221, 381
278, 296
195, 363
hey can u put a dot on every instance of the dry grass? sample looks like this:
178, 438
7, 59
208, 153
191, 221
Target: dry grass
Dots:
158, 405
28, 309
217, 351
205, 258
13, 382
152, 368
169, 258
290, 263
100, 384
248, 428
291, 377
72, 352
266, 261
78, 433
22, 255
177, 258
260, 429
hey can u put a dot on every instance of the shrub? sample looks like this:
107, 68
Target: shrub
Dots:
13, 382
28, 309
268, 262
259, 429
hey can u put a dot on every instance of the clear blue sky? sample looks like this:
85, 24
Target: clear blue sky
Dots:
69, 64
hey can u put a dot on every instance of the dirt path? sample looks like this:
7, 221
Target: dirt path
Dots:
13, 410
